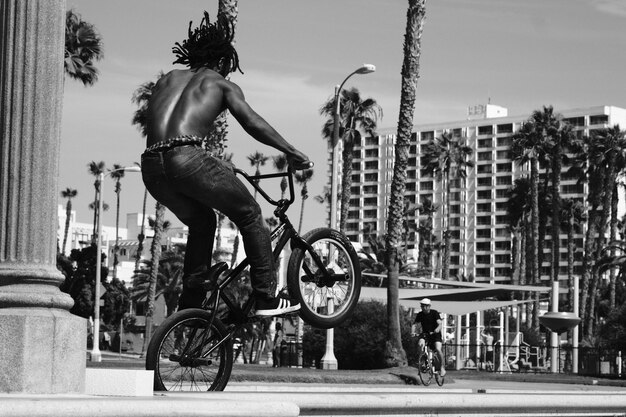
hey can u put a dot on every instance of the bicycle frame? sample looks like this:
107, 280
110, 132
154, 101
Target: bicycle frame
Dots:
284, 232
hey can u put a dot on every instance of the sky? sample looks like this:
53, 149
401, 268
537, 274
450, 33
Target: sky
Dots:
519, 55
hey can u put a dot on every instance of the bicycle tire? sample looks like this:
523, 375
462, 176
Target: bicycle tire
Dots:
424, 369
309, 288
438, 378
186, 330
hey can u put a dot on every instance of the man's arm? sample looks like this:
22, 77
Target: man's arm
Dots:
256, 126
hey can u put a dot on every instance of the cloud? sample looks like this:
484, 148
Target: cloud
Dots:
614, 7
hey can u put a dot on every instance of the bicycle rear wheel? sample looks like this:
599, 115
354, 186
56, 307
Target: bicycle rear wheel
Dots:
424, 369
189, 353
327, 294
438, 378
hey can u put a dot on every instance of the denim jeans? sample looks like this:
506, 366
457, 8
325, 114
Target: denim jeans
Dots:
191, 184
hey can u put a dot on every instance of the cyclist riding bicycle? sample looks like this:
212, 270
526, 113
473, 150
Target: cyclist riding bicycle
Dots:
191, 181
427, 325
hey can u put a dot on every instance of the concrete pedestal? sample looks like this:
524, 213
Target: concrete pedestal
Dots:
41, 350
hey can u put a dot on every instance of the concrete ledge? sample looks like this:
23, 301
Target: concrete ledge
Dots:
119, 382
439, 403
81, 406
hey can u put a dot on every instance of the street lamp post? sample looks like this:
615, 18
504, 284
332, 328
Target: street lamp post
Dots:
95, 355
365, 69
328, 360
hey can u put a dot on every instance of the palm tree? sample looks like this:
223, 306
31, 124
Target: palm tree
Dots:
169, 279
355, 114
257, 159
68, 193
427, 209
447, 157
572, 215
610, 147
95, 169
155, 256
280, 163
83, 46
303, 178
528, 148
117, 173
394, 353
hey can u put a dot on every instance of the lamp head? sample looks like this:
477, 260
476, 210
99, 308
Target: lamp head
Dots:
132, 168
366, 69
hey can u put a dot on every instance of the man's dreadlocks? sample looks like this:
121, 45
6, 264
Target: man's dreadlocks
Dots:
209, 45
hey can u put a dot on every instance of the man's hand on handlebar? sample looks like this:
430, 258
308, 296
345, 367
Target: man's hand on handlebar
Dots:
299, 162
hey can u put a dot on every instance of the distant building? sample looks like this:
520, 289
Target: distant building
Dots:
481, 241
80, 236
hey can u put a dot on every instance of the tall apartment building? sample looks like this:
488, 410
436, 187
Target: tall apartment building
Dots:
481, 242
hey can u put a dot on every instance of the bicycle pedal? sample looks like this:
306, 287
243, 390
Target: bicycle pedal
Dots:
213, 274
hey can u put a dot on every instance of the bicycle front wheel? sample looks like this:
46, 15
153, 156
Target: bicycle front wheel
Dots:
424, 369
188, 352
325, 278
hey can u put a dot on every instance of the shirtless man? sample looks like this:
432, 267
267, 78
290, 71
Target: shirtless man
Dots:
191, 182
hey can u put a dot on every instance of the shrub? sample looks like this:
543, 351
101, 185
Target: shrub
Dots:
360, 340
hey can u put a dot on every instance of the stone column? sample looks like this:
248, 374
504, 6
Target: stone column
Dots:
42, 345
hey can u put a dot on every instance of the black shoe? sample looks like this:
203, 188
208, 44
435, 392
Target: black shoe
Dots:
276, 307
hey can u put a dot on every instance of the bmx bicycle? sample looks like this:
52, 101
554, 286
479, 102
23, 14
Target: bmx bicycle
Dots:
192, 350
428, 362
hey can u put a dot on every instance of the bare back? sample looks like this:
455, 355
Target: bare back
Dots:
185, 102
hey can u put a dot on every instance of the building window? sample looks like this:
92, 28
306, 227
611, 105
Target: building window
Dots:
484, 156
356, 178
503, 259
483, 246
413, 149
455, 221
355, 190
504, 167
483, 259
484, 169
411, 174
484, 181
508, 180
503, 272
427, 136
503, 245
426, 186
501, 206
503, 233
456, 196
370, 189
502, 219
485, 130
371, 165
485, 143
505, 141
484, 194
410, 186
483, 272
353, 214
506, 128
483, 207
370, 201
503, 155
483, 233
502, 193
455, 209
599, 119
369, 214
372, 176
371, 153
123, 252
356, 166
575, 121
356, 154
371, 140
483, 220
355, 202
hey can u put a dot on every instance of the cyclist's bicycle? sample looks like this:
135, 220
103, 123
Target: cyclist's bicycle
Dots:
192, 350
428, 362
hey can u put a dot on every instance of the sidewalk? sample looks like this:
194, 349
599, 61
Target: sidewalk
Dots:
265, 373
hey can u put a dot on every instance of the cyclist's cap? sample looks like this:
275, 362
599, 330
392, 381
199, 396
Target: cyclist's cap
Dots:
425, 301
